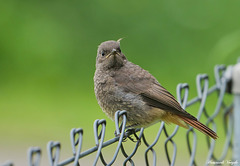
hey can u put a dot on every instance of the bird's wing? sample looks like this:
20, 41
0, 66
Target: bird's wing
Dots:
136, 80
141, 82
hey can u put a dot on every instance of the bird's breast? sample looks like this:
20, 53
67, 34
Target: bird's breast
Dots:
112, 97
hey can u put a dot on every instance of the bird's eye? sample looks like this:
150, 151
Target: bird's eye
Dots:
103, 53
118, 49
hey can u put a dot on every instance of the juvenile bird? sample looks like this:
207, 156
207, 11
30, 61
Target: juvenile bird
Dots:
122, 85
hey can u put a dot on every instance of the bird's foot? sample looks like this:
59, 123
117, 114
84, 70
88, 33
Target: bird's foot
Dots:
130, 133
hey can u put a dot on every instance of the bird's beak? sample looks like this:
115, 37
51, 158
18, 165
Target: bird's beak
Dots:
113, 52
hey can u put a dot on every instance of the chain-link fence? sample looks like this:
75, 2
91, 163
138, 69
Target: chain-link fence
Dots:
213, 113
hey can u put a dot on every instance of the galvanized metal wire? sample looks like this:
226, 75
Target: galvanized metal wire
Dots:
150, 157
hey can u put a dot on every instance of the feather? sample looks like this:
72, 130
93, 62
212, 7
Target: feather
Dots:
199, 126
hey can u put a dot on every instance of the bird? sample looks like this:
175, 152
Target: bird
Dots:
122, 85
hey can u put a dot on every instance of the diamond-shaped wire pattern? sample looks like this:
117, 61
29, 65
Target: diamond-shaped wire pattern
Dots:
222, 109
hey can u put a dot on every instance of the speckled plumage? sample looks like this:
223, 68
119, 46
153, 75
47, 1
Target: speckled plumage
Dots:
112, 96
122, 85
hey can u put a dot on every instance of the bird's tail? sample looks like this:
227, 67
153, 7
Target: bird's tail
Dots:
199, 126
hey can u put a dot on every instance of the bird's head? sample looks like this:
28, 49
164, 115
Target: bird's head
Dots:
109, 55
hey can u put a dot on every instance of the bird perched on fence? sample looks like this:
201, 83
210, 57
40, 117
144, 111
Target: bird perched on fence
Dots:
122, 85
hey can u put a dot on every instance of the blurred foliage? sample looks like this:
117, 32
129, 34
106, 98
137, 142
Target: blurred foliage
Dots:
48, 50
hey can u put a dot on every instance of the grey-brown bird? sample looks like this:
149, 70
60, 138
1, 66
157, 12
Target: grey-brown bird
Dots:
122, 85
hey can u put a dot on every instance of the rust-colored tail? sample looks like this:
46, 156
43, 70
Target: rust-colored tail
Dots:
199, 126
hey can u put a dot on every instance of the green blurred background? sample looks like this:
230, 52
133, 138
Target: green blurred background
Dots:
48, 51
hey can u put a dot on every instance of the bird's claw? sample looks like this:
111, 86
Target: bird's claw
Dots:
131, 133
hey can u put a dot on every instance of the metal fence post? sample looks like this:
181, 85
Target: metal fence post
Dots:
236, 111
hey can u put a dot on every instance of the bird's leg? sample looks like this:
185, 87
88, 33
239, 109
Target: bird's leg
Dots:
117, 135
132, 132
129, 132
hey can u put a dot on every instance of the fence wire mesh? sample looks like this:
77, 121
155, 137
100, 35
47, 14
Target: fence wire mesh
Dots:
222, 109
